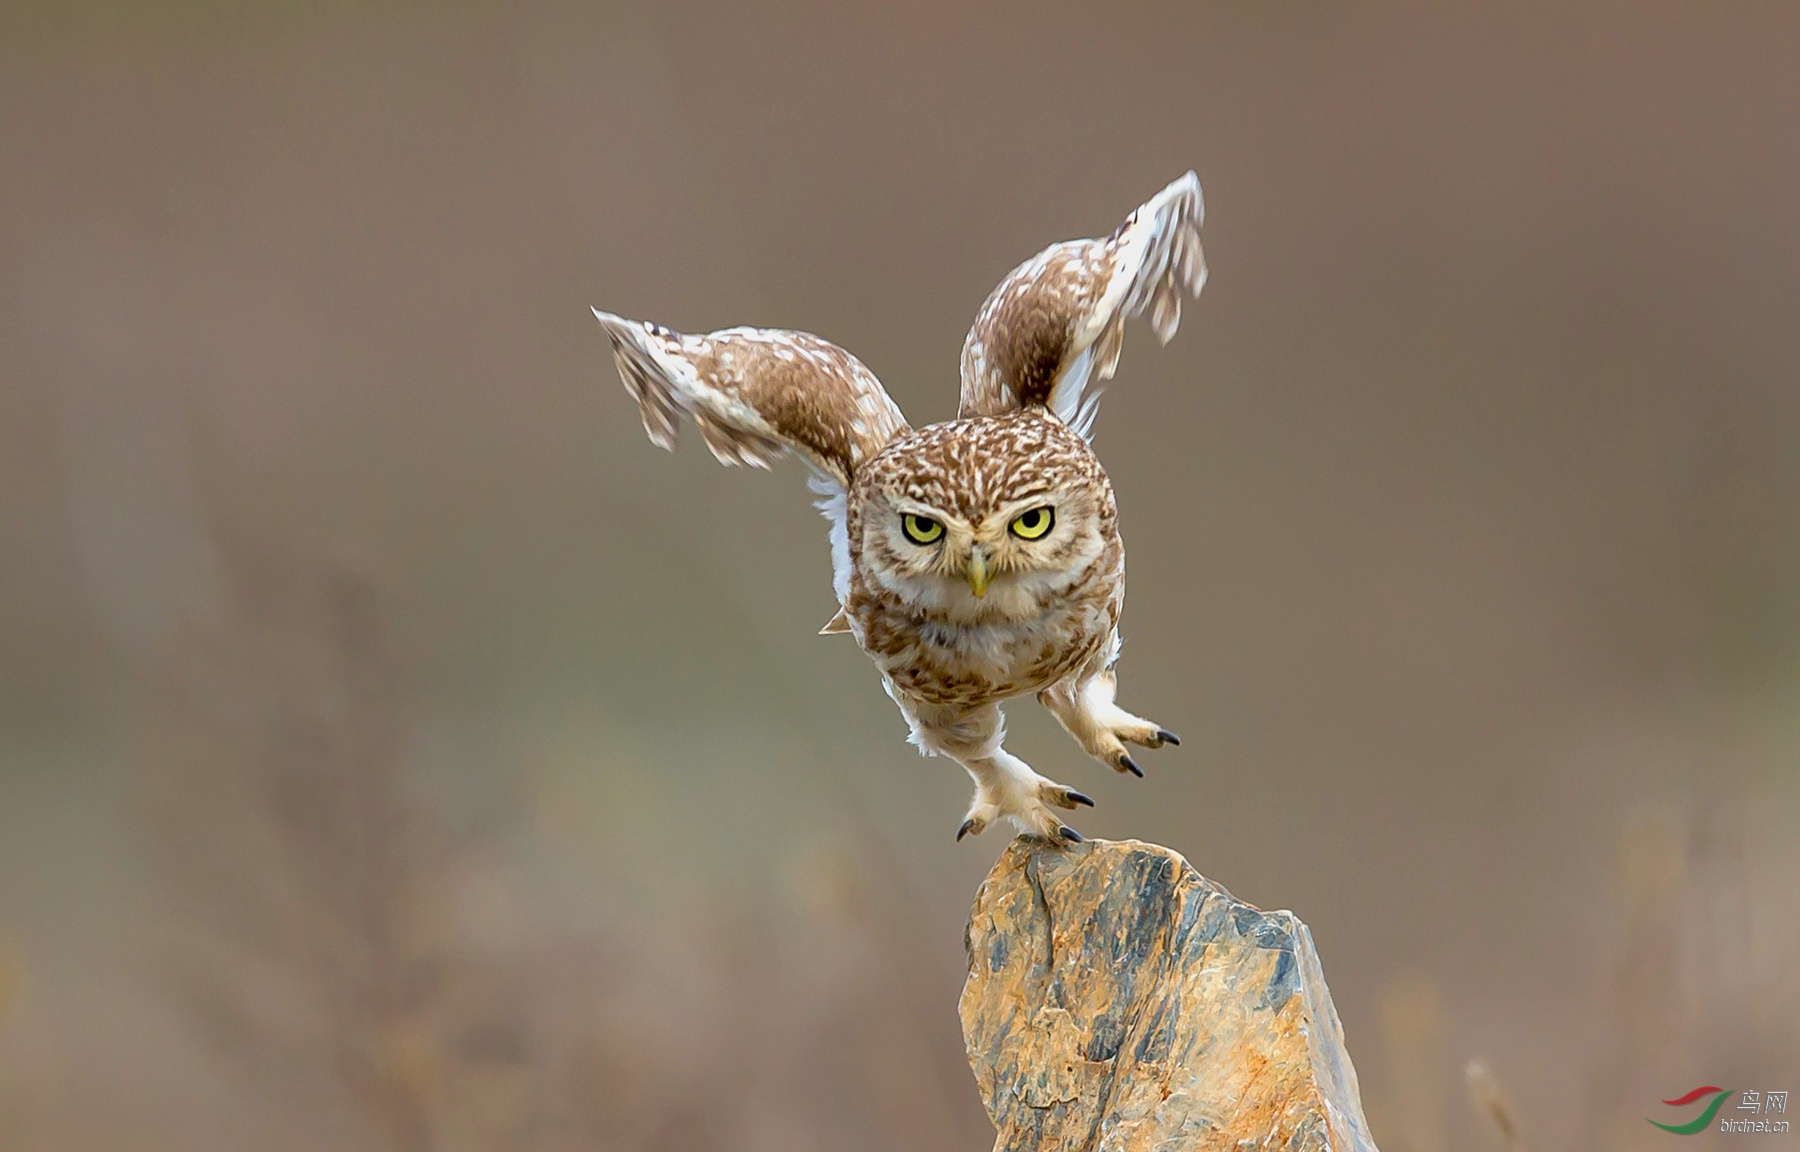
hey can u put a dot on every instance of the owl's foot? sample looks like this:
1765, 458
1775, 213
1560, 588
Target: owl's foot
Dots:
1144, 733
1026, 802
1087, 712
976, 826
1106, 740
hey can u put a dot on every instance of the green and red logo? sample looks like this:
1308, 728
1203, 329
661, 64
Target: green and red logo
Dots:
1705, 1118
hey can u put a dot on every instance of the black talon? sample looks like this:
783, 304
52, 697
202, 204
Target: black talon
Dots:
964, 830
1130, 766
1080, 797
1069, 834
1168, 737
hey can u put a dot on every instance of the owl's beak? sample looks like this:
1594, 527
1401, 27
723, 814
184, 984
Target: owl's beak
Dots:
977, 572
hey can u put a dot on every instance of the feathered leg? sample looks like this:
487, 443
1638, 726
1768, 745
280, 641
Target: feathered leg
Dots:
1005, 786
1085, 709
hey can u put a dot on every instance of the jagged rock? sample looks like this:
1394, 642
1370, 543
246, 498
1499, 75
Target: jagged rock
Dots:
1118, 1001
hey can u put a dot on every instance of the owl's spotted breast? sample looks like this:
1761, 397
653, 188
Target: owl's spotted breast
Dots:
968, 665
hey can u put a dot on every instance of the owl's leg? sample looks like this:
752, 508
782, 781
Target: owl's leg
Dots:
1085, 709
1005, 786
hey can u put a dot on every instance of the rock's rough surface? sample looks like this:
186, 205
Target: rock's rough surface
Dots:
1118, 1001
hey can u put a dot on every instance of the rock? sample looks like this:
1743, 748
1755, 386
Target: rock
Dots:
1118, 1001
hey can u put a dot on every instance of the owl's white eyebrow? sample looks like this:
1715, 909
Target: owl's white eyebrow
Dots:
914, 508
1026, 502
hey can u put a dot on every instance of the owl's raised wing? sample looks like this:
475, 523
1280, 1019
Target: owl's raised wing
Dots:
1050, 335
756, 394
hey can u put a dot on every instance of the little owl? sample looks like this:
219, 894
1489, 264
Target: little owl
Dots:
978, 559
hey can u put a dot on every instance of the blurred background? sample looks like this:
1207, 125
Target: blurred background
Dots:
398, 752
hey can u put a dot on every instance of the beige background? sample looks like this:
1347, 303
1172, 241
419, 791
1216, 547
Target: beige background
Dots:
397, 751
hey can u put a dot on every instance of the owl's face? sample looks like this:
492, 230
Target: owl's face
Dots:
984, 518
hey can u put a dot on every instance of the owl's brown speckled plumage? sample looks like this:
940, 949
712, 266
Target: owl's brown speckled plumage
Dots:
979, 559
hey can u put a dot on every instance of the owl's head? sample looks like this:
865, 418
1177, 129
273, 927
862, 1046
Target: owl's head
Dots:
984, 517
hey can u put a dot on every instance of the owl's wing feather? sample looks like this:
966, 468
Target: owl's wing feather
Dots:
757, 394
1050, 335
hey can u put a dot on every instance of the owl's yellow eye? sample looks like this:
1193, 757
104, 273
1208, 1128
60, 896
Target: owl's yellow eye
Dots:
921, 529
1033, 524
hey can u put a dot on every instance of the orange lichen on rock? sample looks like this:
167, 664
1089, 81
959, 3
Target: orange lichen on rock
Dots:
1118, 1001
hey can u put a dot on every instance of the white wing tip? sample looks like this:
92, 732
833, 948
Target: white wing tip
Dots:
618, 327
1187, 186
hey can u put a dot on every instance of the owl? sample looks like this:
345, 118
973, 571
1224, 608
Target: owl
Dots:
978, 559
